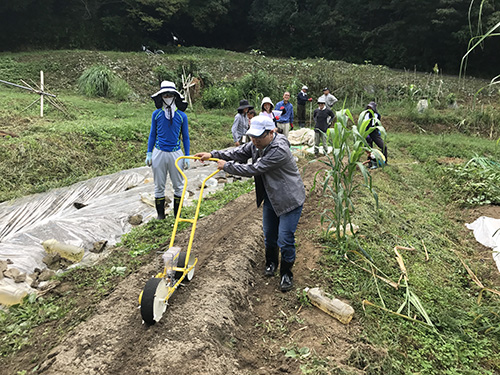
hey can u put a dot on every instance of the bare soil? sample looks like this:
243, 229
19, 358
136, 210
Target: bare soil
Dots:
230, 319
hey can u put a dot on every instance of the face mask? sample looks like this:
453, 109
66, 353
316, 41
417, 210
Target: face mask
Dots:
168, 101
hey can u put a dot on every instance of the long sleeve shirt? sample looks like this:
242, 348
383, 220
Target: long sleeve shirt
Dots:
330, 100
165, 134
275, 171
302, 98
240, 126
288, 115
321, 117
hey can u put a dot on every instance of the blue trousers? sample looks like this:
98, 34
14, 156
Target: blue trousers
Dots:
280, 231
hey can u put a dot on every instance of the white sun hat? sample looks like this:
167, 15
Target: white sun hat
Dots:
304, 87
267, 99
259, 125
168, 86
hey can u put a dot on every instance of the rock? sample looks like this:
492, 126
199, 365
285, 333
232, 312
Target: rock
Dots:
9, 261
55, 262
15, 274
135, 219
222, 180
3, 266
99, 246
46, 275
79, 205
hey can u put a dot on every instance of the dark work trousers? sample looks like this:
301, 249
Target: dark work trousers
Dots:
301, 115
377, 138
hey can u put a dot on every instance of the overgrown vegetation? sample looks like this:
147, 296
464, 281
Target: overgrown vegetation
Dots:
415, 244
99, 80
429, 172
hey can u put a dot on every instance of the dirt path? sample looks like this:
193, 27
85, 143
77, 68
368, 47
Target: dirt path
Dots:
229, 319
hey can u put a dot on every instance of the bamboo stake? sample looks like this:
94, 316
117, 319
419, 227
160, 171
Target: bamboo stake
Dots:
41, 96
27, 88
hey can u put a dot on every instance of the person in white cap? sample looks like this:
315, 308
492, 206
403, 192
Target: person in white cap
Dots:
302, 99
168, 125
277, 183
323, 117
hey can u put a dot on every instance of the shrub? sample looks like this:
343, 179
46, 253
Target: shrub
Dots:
220, 97
259, 82
162, 73
99, 80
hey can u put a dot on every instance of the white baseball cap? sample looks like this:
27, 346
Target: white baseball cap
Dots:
259, 125
304, 88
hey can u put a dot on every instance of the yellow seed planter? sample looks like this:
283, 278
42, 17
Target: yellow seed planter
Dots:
179, 265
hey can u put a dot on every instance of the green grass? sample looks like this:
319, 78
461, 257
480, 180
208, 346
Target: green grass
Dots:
416, 209
103, 137
416, 192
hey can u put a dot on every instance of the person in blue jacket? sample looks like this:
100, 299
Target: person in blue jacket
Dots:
168, 125
285, 122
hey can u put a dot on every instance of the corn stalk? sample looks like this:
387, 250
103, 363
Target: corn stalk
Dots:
340, 182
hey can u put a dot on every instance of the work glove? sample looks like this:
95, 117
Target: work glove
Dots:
283, 110
291, 126
310, 99
186, 164
149, 159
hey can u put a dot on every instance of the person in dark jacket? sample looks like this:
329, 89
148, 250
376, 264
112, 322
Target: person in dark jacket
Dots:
277, 183
374, 117
302, 99
168, 125
323, 117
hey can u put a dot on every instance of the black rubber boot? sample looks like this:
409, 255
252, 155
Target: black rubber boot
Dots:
272, 260
286, 281
177, 202
160, 207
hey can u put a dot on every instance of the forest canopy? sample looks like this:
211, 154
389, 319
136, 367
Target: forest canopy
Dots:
399, 34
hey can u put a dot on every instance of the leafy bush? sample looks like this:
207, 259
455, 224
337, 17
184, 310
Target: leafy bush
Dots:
259, 82
162, 73
220, 97
99, 80
475, 183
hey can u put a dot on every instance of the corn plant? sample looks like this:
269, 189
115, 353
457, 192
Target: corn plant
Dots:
340, 179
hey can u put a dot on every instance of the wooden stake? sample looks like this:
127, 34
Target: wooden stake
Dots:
41, 96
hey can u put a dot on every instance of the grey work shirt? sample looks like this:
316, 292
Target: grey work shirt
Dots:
240, 126
274, 169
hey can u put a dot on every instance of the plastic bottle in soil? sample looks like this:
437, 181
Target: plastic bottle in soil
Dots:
332, 306
69, 252
170, 258
10, 295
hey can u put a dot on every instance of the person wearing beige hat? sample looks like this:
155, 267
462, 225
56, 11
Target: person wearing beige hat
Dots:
168, 125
